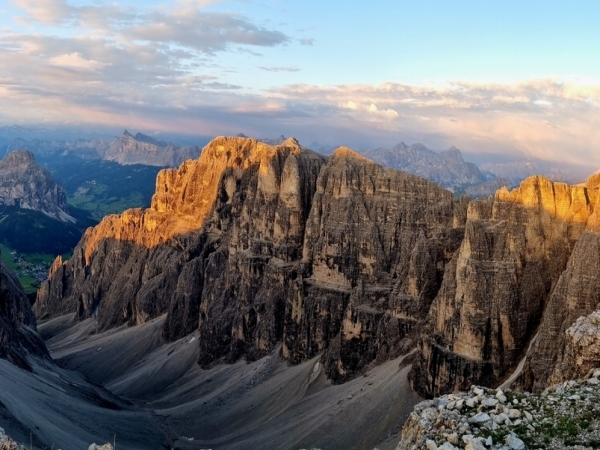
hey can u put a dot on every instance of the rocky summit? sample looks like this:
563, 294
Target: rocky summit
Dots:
25, 184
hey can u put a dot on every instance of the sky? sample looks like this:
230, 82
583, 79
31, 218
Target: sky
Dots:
512, 78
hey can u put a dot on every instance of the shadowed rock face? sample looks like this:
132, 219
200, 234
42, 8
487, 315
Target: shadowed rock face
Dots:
502, 283
255, 245
18, 337
25, 184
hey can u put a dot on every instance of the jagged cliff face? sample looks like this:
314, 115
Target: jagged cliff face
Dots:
502, 283
376, 244
255, 245
142, 149
25, 184
18, 337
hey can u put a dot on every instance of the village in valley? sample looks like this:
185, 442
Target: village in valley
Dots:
24, 268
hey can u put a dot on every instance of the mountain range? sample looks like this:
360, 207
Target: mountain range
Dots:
268, 281
126, 150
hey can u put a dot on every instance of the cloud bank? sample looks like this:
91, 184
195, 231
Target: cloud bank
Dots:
162, 70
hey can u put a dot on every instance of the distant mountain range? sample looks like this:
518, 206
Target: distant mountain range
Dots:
517, 171
446, 168
126, 150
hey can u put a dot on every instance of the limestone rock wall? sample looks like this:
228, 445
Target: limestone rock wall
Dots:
376, 244
497, 288
255, 245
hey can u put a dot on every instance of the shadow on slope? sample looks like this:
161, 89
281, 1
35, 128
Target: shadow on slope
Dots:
264, 404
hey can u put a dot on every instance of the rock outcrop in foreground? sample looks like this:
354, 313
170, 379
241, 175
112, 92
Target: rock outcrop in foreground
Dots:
25, 184
564, 416
255, 245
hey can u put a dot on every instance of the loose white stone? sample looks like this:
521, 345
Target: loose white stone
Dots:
514, 442
515, 401
501, 398
489, 441
528, 415
575, 397
447, 446
490, 402
514, 414
431, 445
472, 443
596, 373
478, 391
453, 438
450, 405
479, 418
430, 414
467, 437
471, 403
500, 418
594, 381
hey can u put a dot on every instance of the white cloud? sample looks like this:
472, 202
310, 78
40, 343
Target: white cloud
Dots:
75, 60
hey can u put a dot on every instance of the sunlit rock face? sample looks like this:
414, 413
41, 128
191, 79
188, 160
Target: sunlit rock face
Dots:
499, 286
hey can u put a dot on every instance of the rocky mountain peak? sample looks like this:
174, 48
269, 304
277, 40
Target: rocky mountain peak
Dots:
143, 149
593, 182
345, 152
25, 184
453, 153
18, 159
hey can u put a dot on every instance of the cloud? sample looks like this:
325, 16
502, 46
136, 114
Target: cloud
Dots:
205, 32
306, 41
186, 24
280, 69
162, 69
75, 60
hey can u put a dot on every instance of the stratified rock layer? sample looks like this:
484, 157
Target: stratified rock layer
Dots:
255, 245
497, 288
25, 184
